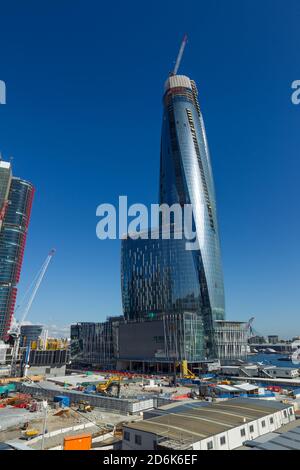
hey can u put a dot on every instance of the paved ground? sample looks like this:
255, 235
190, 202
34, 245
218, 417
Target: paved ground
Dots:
59, 440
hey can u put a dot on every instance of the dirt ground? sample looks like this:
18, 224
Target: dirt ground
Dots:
11, 420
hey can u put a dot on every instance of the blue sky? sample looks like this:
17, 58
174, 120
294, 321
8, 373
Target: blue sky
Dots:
82, 121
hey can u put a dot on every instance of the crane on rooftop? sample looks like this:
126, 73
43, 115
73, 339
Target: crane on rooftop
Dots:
180, 54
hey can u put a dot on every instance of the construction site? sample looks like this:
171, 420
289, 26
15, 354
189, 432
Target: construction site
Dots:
120, 376
171, 373
40, 412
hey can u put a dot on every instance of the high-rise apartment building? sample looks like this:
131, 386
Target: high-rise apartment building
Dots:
16, 197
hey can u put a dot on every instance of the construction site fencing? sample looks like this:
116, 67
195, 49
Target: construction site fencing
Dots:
111, 404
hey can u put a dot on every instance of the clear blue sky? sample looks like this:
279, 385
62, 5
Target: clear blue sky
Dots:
82, 120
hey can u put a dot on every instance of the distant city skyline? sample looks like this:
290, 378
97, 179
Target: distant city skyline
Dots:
82, 121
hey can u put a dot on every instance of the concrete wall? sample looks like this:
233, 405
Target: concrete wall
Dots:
47, 371
117, 405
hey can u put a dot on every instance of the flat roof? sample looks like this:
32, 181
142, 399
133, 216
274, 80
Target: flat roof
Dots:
226, 388
196, 423
247, 387
176, 407
76, 379
289, 440
243, 366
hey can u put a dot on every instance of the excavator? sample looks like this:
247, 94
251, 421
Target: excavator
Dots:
107, 387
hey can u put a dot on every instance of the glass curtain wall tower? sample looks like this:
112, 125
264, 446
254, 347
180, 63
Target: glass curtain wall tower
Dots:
161, 277
16, 210
186, 178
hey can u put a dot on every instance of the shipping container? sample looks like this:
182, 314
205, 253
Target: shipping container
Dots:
78, 442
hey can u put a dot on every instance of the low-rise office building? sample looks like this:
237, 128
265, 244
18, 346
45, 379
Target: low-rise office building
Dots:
217, 426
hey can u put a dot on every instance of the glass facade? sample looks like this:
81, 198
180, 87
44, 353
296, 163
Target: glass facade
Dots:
5, 180
161, 277
29, 334
158, 277
231, 339
95, 343
12, 244
186, 178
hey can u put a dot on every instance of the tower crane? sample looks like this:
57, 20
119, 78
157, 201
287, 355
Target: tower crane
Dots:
180, 54
16, 332
249, 326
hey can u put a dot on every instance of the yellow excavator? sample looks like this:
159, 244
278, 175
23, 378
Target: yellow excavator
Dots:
105, 387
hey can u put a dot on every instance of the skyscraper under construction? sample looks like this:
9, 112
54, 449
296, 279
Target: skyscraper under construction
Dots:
161, 277
173, 297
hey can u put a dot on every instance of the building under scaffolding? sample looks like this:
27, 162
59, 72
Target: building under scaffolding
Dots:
231, 339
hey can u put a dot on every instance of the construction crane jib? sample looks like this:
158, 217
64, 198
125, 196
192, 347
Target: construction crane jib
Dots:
16, 333
180, 54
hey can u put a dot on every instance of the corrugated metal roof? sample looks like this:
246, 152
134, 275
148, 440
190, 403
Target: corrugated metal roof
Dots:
196, 424
289, 440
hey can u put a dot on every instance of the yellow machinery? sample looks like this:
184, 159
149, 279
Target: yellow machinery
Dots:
33, 378
186, 373
55, 343
84, 406
50, 344
30, 433
104, 387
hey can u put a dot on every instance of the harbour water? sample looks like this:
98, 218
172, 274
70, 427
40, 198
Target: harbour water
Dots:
273, 359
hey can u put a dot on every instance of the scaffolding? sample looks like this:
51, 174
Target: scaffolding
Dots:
231, 339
